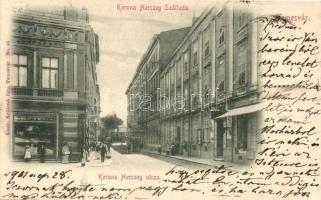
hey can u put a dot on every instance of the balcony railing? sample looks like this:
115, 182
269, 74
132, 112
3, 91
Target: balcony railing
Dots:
21, 92
49, 93
52, 94
35, 92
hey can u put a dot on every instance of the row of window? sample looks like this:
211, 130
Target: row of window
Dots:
152, 64
19, 71
241, 69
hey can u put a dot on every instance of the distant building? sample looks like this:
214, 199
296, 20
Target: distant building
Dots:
209, 89
143, 118
55, 95
120, 134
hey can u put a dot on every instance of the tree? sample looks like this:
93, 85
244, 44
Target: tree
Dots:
110, 122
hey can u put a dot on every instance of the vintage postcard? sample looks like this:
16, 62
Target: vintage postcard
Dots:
160, 100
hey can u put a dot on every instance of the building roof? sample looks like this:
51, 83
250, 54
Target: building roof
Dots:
168, 41
69, 16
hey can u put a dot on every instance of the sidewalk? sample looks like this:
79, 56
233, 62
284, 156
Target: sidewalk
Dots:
93, 162
203, 161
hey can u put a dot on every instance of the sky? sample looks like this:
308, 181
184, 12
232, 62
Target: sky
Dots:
123, 38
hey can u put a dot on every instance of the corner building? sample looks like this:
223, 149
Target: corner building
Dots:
54, 91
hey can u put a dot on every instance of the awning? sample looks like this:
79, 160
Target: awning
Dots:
242, 110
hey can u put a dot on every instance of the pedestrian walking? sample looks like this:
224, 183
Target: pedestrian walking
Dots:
108, 153
27, 154
65, 153
98, 152
42, 152
103, 153
185, 146
87, 153
92, 153
84, 157
159, 149
167, 148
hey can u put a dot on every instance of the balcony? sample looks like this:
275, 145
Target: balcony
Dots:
46, 94
21, 92
31, 93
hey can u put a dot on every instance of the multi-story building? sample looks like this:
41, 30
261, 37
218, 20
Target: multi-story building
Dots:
143, 91
211, 84
209, 89
55, 95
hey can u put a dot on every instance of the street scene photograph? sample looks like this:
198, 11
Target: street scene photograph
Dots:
159, 100
81, 91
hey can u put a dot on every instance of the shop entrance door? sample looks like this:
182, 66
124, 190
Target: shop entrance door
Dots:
220, 137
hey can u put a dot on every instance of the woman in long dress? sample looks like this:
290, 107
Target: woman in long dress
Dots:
84, 157
65, 153
27, 155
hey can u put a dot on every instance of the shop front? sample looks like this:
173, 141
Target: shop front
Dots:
237, 133
32, 130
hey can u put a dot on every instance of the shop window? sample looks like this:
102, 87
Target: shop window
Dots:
34, 135
242, 132
49, 72
19, 70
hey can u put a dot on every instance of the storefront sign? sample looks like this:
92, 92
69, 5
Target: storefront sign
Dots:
23, 118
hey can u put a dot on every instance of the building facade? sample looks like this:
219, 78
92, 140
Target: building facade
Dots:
212, 75
54, 91
143, 91
209, 89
